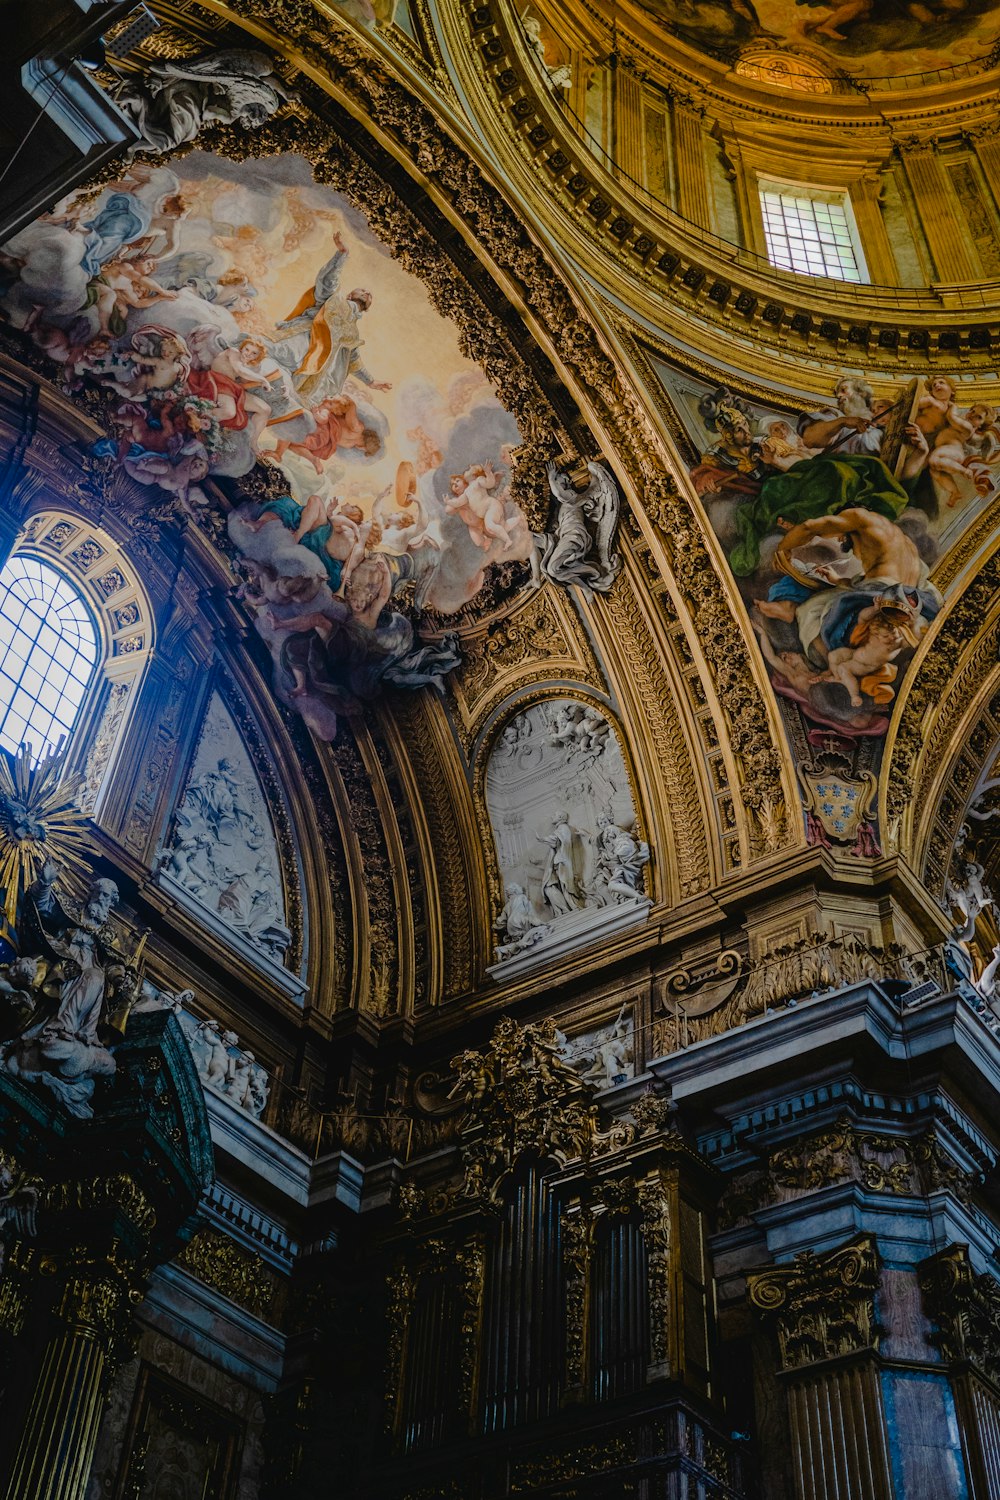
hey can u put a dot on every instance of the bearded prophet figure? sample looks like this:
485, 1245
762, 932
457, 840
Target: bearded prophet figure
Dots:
323, 336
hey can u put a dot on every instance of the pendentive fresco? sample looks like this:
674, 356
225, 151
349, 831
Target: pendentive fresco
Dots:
835, 510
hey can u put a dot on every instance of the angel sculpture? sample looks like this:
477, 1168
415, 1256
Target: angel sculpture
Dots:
579, 550
176, 100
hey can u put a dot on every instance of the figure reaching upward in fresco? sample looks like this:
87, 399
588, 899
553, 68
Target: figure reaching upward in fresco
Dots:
321, 341
162, 288
220, 376
288, 417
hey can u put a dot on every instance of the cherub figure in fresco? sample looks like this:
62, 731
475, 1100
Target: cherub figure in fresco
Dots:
866, 664
161, 359
791, 665
962, 452
782, 446
275, 388
323, 337
400, 514
338, 427
475, 499
429, 455
235, 292
99, 360
934, 408
166, 426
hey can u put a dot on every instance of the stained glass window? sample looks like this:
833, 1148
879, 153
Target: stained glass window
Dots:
48, 651
810, 233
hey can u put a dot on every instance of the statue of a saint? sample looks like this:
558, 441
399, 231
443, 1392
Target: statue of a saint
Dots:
84, 997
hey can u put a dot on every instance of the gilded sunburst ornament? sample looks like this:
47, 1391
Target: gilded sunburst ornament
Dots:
40, 820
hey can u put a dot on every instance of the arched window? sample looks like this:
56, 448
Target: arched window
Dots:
48, 653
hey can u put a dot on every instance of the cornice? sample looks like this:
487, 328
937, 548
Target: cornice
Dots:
668, 61
666, 268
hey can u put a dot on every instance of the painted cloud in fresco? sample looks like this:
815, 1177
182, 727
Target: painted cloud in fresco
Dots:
833, 518
241, 312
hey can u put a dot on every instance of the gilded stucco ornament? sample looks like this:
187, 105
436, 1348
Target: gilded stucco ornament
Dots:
19, 1196
519, 1095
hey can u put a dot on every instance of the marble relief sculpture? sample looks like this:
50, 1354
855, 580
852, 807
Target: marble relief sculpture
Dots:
564, 823
518, 925
604, 1057
222, 851
223, 1063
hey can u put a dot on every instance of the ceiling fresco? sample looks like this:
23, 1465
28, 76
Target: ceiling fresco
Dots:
836, 513
239, 313
875, 38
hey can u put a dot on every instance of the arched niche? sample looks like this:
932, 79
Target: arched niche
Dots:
100, 569
568, 847
228, 857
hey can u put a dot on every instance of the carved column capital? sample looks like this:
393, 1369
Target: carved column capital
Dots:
964, 1308
96, 1300
822, 1306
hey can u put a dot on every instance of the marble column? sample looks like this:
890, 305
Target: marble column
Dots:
56, 1448
628, 151
875, 242
822, 1310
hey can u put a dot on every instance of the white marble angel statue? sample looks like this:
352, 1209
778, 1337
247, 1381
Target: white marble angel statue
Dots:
579, 549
